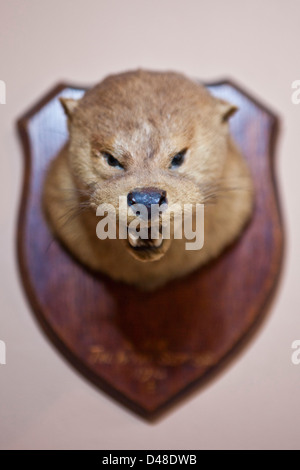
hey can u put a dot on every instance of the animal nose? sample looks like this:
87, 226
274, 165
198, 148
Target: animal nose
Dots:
147, 197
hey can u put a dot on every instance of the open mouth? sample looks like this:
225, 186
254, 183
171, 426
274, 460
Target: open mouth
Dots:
145, 244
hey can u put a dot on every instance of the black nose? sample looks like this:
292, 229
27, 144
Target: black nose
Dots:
147, 197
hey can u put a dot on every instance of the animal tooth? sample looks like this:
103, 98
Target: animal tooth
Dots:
132, 239
158, 242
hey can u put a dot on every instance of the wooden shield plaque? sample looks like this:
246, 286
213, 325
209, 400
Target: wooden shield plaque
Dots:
148, 349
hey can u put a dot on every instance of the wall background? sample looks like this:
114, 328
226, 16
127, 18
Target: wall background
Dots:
44, 404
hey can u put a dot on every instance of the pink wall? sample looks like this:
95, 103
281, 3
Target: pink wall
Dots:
43, 402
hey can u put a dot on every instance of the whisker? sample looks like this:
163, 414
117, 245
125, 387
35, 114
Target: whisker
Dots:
212, 192
72, 214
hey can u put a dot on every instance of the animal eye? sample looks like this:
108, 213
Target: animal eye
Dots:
178, 159
112, 161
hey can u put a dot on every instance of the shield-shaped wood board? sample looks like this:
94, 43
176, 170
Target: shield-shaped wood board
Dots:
149, 349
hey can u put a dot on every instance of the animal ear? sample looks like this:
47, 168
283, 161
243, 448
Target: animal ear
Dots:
226, 110
69, 106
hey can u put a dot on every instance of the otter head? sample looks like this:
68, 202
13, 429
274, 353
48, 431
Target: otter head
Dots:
157, 139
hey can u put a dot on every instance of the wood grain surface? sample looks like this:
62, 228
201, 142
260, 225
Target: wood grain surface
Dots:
148, 349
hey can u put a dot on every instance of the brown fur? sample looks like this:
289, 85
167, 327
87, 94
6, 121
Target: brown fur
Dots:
143, 119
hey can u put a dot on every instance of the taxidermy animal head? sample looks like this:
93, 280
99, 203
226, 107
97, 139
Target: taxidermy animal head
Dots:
155, 140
